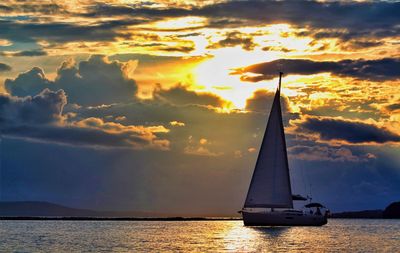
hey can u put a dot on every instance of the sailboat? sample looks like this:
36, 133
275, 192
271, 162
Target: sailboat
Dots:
269, 200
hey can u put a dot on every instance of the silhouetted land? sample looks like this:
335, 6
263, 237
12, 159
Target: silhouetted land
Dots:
35, 210
392, 211
46, 209
118, 218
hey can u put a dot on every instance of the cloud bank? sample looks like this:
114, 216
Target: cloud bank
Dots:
89, 83
349, 131
375, 70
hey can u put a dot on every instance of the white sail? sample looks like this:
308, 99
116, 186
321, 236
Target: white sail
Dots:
270, 184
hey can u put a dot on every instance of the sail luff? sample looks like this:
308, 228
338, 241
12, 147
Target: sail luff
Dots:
270, 182
254, 171
284, 145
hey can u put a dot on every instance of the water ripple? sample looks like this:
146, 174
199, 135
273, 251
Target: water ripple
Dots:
197, 236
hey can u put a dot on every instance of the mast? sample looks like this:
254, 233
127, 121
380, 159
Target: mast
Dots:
270, 184
280, 81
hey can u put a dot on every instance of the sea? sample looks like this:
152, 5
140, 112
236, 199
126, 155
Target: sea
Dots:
339, 235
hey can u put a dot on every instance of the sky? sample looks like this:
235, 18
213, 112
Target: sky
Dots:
161, 106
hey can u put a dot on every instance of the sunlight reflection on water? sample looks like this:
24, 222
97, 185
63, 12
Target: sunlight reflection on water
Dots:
197, 236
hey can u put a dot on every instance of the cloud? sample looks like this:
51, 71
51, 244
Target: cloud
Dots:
30, 8
360, 19
80, 135
28, 53
294, 12
62, 32
197, 112
40, 118
182, 49
261, 101
177, 123
44, 108
354, 19
4, 67
179, 95
353, 14
393, 107
355, 132
103, 9
277, 49
327, 153
200, 148
89, 83
200, 151
374, 70
360, 44
235, 38
107, 117
132, 136
28, 83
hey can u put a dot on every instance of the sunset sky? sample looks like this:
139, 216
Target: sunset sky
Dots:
161, 105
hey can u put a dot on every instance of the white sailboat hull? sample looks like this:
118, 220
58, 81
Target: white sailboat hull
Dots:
282, 218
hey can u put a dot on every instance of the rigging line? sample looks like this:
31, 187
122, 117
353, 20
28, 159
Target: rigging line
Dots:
303, 179
1, 160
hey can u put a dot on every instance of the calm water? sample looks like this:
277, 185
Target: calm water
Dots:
197, 236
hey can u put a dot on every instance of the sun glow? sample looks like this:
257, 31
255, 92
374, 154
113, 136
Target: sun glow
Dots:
213, 75
180, 23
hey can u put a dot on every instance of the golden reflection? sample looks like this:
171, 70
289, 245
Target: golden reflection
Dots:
239, 238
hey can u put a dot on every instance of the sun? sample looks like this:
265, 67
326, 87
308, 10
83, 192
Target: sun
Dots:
214, 75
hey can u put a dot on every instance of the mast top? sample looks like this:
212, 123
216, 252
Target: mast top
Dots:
280, 80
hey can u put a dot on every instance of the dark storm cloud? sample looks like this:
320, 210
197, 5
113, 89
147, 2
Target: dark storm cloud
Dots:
234, 39
4, 67
261, 102
375, 70
353, 14
100, 10
28, 7
63, 32
349, 131
40, 118
317, 14
323, 152
329, 19
183, 49
89, 83
393, 107
78, 136
5, 8
360, 44
44, 108
359, 18
28, 83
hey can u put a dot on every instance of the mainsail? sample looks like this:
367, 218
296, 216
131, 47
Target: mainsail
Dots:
270, 184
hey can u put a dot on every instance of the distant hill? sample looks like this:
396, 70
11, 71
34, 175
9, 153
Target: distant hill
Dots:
392, 211
366, 214
46, 209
